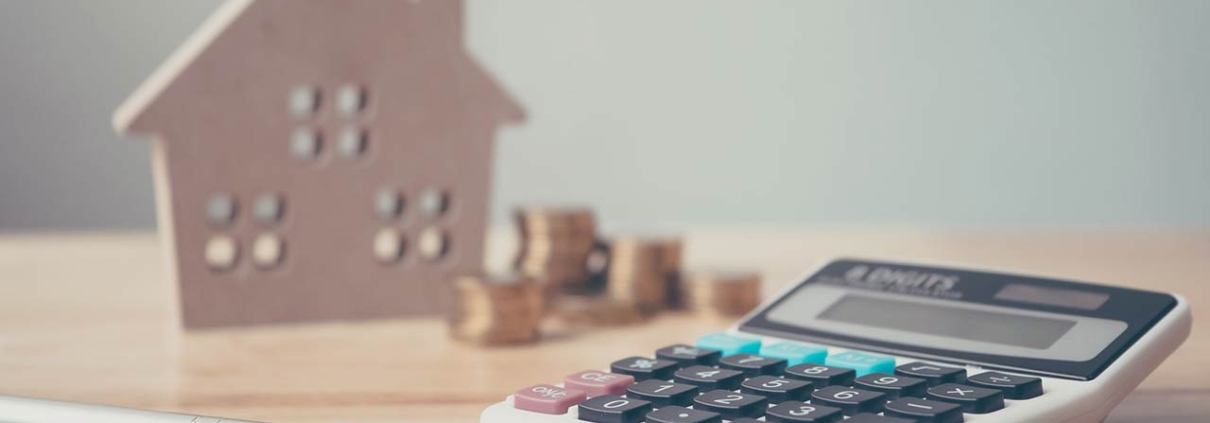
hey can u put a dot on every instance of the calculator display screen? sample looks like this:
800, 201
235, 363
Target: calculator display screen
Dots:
993, 320
962, 323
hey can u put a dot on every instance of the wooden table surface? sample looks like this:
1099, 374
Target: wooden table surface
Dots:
88, 317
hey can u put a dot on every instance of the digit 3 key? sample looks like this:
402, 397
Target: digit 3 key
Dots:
881, 342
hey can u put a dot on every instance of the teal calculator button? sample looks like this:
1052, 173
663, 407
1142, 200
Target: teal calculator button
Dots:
795, 353
863, 363
729, 344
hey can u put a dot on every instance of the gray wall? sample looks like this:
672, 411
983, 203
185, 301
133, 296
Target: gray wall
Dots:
941, 112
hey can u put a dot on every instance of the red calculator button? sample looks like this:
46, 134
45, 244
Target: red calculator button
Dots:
596, 383
547, 399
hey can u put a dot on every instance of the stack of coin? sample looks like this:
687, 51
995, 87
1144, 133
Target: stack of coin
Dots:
721, 293
496, 311
597, 310
640, 270
555, 245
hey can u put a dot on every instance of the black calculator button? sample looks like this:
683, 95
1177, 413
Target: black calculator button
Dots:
874, 418
797, 411
732, 405
709, 378
924, 411
676, 414
663, 393
753, 365
849, 400
688, 355
893, 386
643, 368
820, 375
777, 389
972, 399
614, 409
934, 374
1014, 387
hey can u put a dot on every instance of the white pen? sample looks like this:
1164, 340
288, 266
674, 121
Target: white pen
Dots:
32, 410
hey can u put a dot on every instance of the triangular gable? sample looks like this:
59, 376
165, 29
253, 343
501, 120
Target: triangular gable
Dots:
128, 118
136, 114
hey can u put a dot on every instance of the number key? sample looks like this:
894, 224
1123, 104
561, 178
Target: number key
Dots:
1014, 387
732, 405
972, 399
849, 400
820, 375
934, 374
893, 386
924, 411
614, 409
753, 365
661, 393
709, 378
776, 388
797, 411
676, 414
644, 368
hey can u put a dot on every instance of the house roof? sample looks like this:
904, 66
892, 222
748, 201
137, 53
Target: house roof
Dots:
132, 116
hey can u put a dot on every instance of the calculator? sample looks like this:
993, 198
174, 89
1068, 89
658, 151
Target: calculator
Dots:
861, 341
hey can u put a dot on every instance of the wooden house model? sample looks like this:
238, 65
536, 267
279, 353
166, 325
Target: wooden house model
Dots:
320, 159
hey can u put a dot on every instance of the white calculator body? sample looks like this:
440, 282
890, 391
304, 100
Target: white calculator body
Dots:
860, 341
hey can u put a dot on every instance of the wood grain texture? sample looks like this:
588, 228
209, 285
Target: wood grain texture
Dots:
90, 318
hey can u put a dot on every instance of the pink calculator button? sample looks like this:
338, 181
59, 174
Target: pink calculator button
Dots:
547, 399
596, 383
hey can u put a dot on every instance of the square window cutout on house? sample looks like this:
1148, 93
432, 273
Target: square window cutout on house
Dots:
352, 142
268, 208
303, 101
388, 246
388, 204
220, 209
305, 144
350, 99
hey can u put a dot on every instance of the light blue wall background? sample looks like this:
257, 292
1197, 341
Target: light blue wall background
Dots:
939, 112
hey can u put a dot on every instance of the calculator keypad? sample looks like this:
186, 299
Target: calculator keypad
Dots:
740, 386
